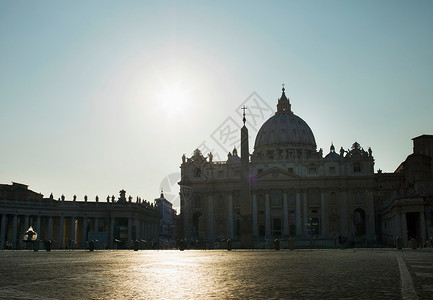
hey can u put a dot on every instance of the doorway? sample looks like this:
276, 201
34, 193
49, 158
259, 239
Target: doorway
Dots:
276, 227
412, 221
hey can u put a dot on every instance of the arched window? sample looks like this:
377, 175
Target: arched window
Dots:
333, 199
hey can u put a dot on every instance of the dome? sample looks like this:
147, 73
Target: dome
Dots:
285, 130
332, 154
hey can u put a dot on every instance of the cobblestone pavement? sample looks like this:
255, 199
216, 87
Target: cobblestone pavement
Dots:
420, 266
256, 274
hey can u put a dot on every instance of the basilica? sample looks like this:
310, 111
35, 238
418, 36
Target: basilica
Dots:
285, 188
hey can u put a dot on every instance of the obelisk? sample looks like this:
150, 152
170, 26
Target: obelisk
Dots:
246, 223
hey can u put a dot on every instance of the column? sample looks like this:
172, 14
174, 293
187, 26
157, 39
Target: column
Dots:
38, 226
143, 229
371, 226
130, 223
138, 229
50, 227
397, 225
343, 214
185, 209
157, 230
230, 219
404, 229
14, 232
422, 227
324, 217
210, 221
305, 204
285, 214
3, 231
268, 232
84, 232
61, 228
26, 223
146, 230
111, 236
72, 237
428, 217
298, 214
96, 226
255, 226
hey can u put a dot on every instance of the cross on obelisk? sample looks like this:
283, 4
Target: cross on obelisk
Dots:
244, 108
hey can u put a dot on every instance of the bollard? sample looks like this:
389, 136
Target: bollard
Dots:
91, 245
229, 245
399, 243
135, 245
48, 246
277, 244
36, 245
413, 243
181, 245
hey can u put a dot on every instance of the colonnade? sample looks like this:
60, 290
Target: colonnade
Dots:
400, 226
72, 231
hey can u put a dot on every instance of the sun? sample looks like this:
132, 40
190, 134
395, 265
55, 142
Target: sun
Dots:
173, 99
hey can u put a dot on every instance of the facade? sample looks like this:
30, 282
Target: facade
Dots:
405, 198
293, 189
71, 224
167, 224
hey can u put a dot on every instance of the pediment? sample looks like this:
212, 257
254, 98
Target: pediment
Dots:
276, 174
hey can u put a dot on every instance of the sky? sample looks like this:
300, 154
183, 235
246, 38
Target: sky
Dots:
98, 96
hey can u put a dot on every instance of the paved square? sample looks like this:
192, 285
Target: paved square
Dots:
256, 274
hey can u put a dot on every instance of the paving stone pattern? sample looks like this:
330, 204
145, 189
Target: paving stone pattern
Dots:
238, 274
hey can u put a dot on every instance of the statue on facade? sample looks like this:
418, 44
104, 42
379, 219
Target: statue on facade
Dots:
210, 156
97, 198
108, 198
370, 152
183, 158
85, 198
63, 197
75, 198
341, 152
282, 154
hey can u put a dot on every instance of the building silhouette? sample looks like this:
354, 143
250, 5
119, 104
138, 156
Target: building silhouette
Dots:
284, 189
293, 189
71, 224
404, 199
167, 225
